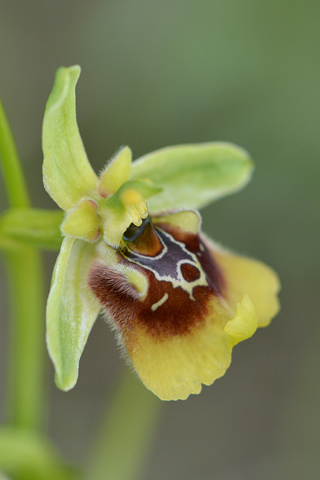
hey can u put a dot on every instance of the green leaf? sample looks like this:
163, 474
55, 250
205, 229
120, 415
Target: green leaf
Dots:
37, 227
192, 176
67, 173
28, 455
71, 310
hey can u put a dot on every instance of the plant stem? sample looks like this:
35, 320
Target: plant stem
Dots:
25, 363
126, 432
25, 367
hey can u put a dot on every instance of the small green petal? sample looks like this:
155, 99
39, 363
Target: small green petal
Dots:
67, 173
71, 310
116, 173
82, 221
192, 176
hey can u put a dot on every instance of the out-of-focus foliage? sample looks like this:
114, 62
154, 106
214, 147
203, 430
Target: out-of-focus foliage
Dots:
161, 73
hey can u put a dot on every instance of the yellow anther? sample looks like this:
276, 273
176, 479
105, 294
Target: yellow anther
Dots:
134, 214
142, 209
138, 222
131, 197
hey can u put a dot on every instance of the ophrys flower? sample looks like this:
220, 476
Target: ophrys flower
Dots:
133, 247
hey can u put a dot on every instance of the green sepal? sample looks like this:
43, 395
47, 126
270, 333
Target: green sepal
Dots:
71, 310
37, 227
67, 173
192, 176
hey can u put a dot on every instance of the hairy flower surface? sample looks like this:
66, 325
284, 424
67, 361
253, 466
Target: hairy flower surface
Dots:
133, 247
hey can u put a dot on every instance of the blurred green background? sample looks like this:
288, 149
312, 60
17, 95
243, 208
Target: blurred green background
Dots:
169, 72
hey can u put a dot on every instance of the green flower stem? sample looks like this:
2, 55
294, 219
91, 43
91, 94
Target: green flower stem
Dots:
26, 350
123, 442
26, 354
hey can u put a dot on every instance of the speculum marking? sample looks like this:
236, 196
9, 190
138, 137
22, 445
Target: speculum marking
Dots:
155, 306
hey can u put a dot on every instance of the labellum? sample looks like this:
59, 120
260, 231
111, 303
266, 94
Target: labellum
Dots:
181, 276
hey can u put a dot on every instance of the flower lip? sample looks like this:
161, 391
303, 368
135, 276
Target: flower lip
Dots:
173, 306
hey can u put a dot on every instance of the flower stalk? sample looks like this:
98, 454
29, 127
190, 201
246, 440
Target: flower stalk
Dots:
26, 348
127, 428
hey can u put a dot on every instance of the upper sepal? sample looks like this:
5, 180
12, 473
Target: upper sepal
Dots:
71, 310
67, 173
192, 176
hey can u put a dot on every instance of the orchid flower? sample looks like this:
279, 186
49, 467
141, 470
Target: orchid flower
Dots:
133, 249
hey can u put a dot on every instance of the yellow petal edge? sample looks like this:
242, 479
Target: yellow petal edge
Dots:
174, 368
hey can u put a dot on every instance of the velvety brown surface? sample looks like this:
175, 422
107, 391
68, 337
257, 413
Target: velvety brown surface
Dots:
180, 311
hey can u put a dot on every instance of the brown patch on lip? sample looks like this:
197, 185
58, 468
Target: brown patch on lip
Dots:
178, 314
189, 272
